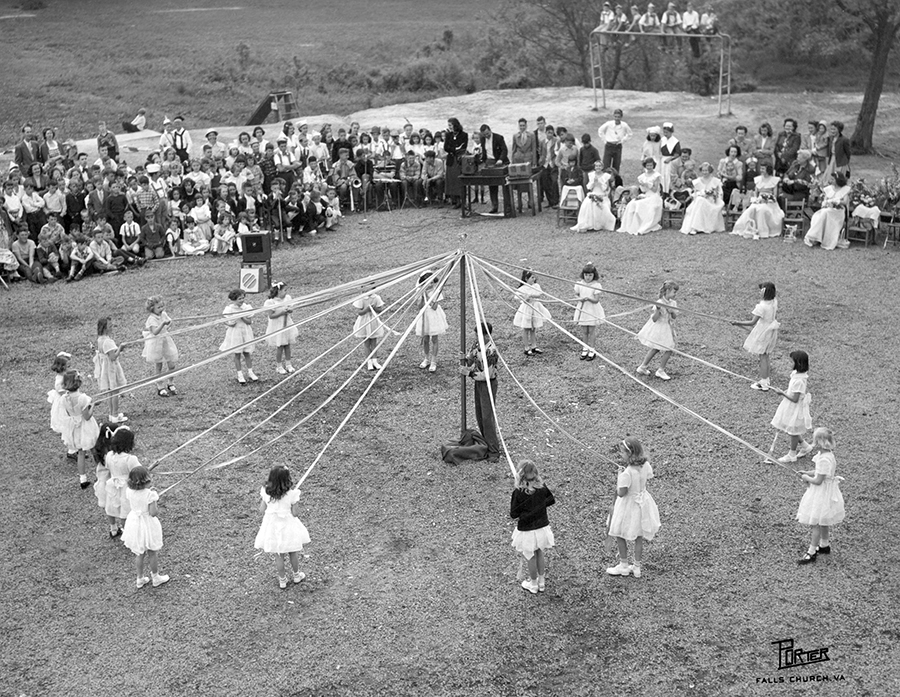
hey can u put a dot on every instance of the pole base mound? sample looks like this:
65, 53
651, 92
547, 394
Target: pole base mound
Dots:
470, 446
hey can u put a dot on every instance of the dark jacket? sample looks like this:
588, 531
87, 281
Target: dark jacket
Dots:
531, 509
496, 148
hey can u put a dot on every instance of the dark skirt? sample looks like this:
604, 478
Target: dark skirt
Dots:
453, 185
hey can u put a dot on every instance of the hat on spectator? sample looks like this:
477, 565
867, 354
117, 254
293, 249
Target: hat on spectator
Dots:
655, 130
212, 133
153, 168
166, 120
395, 132
178, 118
12, 166
282, 138
301, 124
669, 125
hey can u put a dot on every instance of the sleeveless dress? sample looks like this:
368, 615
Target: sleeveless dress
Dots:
793, 417
238, 333
704, 214
764, 334
823, 504
635, 514
281, 531
531, 313
432, 322
158, 347
284, 325
142, 531
588, 314
659, 334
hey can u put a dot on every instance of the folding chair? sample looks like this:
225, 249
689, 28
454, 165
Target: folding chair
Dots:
891, 229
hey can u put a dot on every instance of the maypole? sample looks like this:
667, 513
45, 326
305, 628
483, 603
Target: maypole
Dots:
462, 344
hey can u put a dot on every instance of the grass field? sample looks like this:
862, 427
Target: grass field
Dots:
70, 65
411, 587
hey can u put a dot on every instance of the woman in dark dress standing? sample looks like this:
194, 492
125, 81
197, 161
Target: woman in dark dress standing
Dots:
456, 141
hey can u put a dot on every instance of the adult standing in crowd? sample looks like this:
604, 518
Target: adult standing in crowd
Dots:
613, 135
549, 170
669, 151
787, 145
27, 151
181, 140
840, 149
524, 147
493, 148
456, 142
690, 24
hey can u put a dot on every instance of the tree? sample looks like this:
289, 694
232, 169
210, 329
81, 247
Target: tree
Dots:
560, 30
882, 18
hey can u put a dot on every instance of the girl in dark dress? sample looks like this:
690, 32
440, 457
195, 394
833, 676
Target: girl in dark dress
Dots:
532, 536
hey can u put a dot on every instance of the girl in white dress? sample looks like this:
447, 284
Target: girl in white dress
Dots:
59, 366
763, 217
588, 310
822, 504
658, 334
635, 516
78, 428
280, 332
764, 333
143, 533
643, 213
119, 462
652, 144
792, 416
595, 212
531, 313
369, 326
107, 369
238, 332
159, 347
827, 223
281, 531
704, 214
431, 322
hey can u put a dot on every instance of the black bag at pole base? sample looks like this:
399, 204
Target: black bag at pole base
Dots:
470, 446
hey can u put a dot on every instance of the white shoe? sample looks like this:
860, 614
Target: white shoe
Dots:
282, 581
141, 582
805, 449
530, 586
299, 576
641, 370
253, 376
662, 374
377, 365
790, 457
424, 364
240, 378
762, 385
636, 570
159, 579
432, 368
620, 569
280, 370
288, 366
542, 584
369, 364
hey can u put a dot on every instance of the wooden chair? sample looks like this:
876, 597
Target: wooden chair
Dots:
673, 218
569, 204
860, 230
891, 229
735, 207
794, 214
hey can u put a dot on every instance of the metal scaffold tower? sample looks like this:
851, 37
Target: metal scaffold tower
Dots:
602, 40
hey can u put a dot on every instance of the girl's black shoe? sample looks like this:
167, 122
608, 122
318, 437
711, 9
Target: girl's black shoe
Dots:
807, 558
824, 550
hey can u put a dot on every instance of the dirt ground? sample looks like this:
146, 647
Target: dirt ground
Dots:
411, 586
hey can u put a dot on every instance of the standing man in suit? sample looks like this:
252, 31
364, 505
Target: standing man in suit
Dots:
27, 152
493, 149
524, 146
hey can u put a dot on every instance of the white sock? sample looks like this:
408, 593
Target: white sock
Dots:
82, 478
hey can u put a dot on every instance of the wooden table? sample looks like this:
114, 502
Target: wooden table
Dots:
533, 182
469, 181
